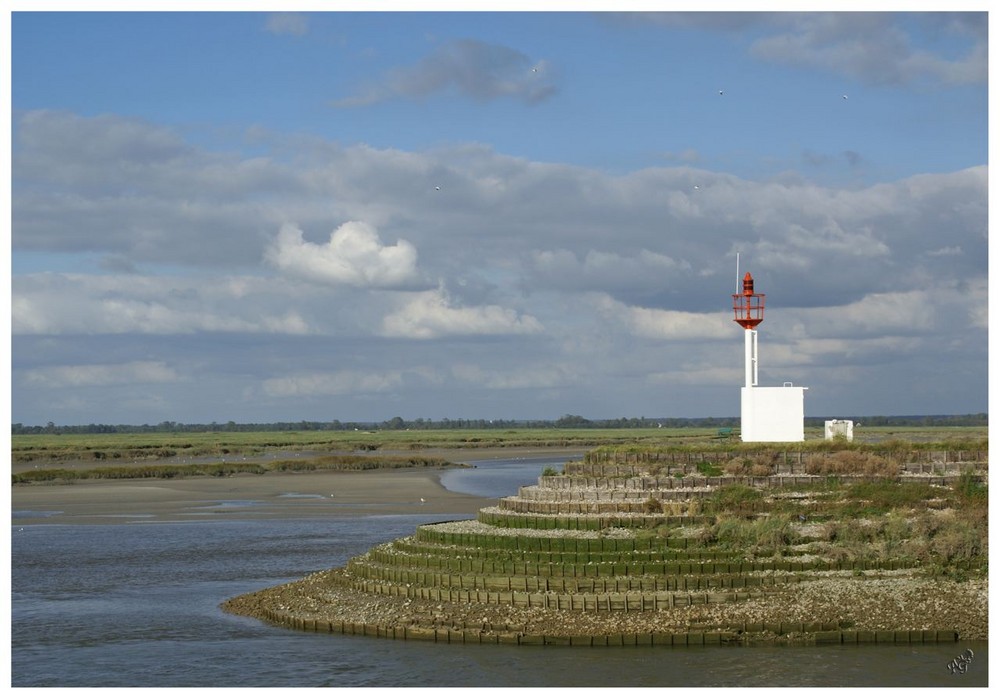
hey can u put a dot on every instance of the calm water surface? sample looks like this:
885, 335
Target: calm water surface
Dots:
137, 605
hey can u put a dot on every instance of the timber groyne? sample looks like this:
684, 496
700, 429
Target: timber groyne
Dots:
631, 547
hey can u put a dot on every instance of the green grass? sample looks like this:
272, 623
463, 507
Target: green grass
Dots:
67, 447
56, 447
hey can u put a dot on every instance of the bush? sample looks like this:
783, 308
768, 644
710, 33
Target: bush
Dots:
852, 462
652, 506
769, 533
958, 540
760, 464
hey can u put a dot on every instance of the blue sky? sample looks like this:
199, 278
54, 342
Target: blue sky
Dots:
259, 216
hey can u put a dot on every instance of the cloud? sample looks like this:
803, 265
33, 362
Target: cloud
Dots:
519, 377
545, 225
137, 372
60, 304
474, 69
332, 383
871, 47
660, 324
927, 312
566, 285
293, 23
607, 270
354, 256
429, 314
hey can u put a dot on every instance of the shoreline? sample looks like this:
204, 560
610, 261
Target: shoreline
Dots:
313, 494
274, 495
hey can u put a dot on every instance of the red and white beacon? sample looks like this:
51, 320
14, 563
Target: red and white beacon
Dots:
767, 414
748, 311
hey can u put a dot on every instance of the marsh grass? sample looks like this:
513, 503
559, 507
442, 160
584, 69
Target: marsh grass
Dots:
770, 533
223, 469
853, 462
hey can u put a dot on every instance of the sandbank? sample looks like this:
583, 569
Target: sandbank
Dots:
243, 496
279, 495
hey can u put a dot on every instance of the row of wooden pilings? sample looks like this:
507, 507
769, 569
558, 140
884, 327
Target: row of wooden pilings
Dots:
798, 633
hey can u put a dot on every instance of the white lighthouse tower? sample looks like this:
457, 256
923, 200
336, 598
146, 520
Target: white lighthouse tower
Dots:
767, 414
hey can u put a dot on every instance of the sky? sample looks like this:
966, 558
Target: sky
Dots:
260, 216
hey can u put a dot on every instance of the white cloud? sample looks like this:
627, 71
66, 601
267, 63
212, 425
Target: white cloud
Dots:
874, 47
354, 255
728, 375
332, 383
108, 304
473, 68
429, 314
101, 374
293, 23
660, 324
607, 270
519, 377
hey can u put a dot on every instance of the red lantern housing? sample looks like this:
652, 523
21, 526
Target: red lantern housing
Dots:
748, 307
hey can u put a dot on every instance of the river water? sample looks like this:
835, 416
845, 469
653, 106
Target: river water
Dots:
137, 605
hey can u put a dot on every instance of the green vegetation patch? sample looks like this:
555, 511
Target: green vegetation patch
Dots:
222, 469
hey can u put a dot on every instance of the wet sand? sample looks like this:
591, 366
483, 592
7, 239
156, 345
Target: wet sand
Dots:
271, 495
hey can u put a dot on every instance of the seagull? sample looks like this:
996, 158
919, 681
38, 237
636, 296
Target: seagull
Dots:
437, 189
422, 500
720, 92
844, 96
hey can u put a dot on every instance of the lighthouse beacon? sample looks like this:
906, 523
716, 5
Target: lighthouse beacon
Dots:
767, 414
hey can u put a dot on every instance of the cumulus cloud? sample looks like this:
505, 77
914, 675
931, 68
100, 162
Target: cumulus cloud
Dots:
430, 314
354, 256
72, 376
865, 274
474, 69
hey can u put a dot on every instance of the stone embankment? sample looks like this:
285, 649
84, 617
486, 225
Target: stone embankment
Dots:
638, 550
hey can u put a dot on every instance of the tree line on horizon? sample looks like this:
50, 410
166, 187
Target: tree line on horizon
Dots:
564, 422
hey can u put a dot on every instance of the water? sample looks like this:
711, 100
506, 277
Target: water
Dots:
137, 605
495, 478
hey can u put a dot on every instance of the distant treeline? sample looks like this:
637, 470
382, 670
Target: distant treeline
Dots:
566, 421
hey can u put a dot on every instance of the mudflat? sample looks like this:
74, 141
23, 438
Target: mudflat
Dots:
278, 495
270, 495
